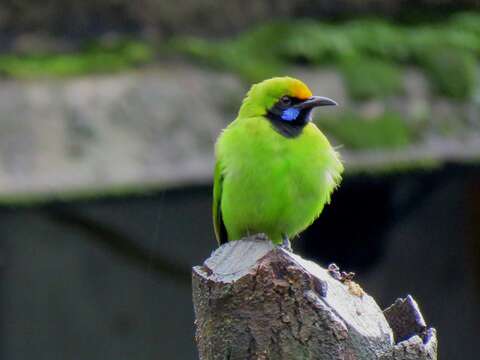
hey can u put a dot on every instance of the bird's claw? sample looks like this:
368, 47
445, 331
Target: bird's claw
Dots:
261, 237
286, 243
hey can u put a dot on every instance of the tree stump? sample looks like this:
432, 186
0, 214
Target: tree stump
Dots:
254, 300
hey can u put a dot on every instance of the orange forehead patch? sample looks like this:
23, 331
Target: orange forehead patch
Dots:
300, 90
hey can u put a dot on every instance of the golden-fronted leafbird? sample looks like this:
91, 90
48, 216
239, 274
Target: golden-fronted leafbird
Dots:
275, 170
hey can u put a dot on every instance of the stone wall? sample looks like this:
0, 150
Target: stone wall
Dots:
157, 128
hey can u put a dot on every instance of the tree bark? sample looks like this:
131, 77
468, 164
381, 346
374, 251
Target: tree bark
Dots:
254, 300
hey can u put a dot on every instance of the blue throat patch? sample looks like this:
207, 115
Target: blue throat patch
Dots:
290, 114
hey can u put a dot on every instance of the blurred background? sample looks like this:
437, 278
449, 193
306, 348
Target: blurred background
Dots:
109, 110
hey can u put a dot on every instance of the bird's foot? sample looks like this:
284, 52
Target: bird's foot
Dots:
286, 243
261, 236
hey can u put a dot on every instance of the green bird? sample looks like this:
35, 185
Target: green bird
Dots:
275, 170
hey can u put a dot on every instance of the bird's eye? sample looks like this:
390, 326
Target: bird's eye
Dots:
286, 101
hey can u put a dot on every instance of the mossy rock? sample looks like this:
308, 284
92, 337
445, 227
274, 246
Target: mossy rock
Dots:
253, 55
370, 53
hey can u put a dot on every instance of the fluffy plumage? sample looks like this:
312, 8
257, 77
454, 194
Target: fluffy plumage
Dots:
275, 170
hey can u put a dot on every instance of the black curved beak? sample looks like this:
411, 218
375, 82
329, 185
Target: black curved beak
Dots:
315, 101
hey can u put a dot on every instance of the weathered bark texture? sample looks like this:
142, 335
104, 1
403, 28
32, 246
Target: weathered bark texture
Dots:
256, 301
412, 337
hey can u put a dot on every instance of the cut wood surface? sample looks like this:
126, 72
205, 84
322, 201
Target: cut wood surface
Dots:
254, 300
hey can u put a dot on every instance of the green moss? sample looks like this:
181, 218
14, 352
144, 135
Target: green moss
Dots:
91, 59
386, 131
368, 78
269, 49
452, 73
316, 43
448, 52
237, 56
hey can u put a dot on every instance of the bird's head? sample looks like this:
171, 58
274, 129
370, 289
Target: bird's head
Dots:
286, 102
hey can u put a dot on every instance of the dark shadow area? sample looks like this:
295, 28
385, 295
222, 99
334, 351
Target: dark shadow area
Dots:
353, 231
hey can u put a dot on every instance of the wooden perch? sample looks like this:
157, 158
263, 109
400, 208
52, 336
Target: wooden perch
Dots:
254, 300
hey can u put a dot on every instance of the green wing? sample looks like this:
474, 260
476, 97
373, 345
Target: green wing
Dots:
218, 225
